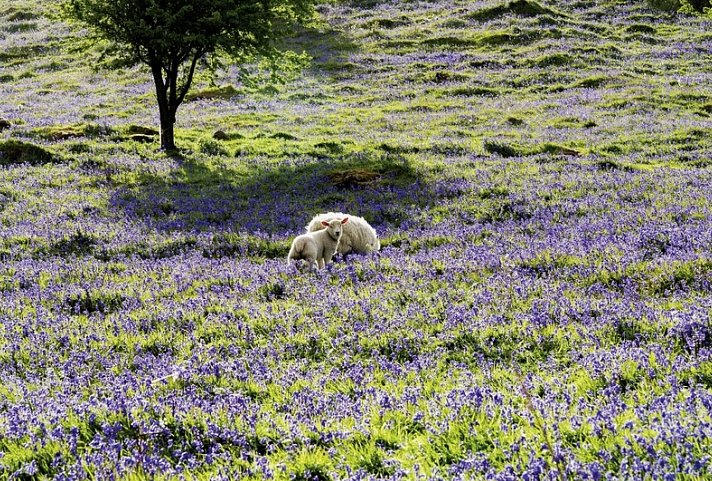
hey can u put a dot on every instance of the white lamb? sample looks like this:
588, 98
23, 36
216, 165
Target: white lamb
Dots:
358, 237
317, 248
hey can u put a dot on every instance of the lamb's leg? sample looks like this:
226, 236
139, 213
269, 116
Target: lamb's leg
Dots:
321, 263
312, 262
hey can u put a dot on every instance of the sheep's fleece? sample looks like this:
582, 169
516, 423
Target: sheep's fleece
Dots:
358, 235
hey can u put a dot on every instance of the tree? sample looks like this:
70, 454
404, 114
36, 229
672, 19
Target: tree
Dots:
172, 36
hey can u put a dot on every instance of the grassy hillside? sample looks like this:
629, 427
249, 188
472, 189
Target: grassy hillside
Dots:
538, 174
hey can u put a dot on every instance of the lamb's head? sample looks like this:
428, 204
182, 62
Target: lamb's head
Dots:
334, 228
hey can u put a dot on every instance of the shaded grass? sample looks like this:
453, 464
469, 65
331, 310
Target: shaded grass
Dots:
329, 184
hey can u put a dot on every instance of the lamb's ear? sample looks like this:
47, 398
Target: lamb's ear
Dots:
325, 223
344, 220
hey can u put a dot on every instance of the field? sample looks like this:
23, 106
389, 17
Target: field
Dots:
539, 176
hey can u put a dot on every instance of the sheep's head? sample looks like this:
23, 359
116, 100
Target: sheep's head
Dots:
334, 227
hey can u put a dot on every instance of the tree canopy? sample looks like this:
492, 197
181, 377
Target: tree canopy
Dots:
171, 36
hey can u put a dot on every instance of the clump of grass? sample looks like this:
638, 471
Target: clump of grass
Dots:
472, 92
554, 59
398, 149
41, 455
665, 5
555, 149
524, 8
231, 245
442, 76
546, 262
14, 152
590, 82
657, 281
452, 42
141, 130
311, 465
141, 138
330, 147
512, 150
353, 177
144, 250
225, 92
428, 243
640, 28
359, 170
502, 149
283, 136
388, 22
608, 165
76, 244
501, 209
22, 16
493, 39
18, 55
64, 132
93, 301
211, 147
701, 374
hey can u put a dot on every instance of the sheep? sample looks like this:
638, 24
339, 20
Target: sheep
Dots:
358, 235
317, 248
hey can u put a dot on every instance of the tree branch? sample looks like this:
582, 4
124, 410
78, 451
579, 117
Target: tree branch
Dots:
189, 79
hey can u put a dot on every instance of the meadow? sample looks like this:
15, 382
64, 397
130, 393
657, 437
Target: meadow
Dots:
538, 173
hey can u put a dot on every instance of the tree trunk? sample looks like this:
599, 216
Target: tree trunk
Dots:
167, 137
167, 112
170, 94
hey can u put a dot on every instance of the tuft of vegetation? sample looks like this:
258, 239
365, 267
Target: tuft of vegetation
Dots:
89, 302
64, 132
241, 245
78, 244
212, 93
14, 152
680, 5
525, 8
501, 149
